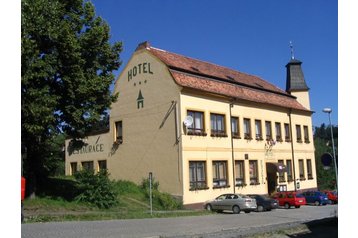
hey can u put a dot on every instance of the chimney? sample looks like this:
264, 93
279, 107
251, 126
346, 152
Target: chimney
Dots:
143, 45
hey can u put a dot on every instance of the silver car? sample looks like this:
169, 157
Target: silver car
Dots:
233, 202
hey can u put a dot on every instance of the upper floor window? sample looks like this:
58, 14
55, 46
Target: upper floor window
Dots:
119, 132
217, 122
287, 132
298, 133
278, 131
258, 130
268, 130
197, 127
305, 133
235, 127
247, 129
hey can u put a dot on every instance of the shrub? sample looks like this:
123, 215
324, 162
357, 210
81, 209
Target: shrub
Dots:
165, 200
96, 189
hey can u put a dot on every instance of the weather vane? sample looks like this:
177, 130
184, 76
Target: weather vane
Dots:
292, 55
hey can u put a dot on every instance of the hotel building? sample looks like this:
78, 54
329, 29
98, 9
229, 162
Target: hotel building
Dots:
202, 129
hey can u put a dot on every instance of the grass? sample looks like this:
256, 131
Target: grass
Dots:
133, 202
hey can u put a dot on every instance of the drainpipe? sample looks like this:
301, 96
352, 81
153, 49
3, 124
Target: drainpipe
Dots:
232, 151
292, 150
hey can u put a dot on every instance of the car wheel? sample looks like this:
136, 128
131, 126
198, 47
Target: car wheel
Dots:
316, 203
236, 209
209, 208
287, 205
260, 208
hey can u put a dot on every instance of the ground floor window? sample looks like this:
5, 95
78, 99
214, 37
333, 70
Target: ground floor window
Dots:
289, 170
240, 173
102, 164
197, 175
219, 174
253, 168
87, 165
73, 168
301, 169
309, 169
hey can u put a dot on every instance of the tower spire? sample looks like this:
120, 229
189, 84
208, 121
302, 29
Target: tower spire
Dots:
292, 54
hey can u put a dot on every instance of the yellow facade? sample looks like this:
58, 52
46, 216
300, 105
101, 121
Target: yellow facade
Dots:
150, 111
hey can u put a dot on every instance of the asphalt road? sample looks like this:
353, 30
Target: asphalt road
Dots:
216, 225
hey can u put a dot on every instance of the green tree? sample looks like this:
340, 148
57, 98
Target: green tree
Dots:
67, 62
323, 144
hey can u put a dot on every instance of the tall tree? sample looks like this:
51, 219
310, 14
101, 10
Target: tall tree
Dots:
322, 139
67, 64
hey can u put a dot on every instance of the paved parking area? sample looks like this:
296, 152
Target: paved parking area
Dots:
198, 226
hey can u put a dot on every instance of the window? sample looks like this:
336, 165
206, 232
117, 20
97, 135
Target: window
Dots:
287, 132
119, 132
289, 170
217, 122
268, 130
197, 128
281, 176
258, 129
301, 169
102, 164
298, 133
305, 132
73, 168
240, 173
278, 131
235, 127
309, 169
87, 165
253, 172
247, 129
219, 174
197, 175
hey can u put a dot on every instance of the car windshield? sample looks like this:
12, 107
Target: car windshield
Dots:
299, 195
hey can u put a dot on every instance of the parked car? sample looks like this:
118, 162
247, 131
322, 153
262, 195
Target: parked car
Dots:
315, 197
233, 202
264, 202
23, 189
288, 199
332, 196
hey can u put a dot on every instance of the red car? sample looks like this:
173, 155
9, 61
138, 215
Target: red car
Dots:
288, 199
332, 196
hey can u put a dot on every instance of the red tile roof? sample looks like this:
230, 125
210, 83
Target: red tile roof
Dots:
204, 76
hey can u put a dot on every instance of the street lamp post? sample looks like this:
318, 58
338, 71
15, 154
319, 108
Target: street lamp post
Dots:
329, 110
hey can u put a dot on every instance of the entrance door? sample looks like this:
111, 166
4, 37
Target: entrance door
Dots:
271, 178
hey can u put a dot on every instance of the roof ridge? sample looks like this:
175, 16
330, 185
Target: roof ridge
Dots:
207, 62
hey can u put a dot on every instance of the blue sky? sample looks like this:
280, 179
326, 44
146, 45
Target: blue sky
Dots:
248, 36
